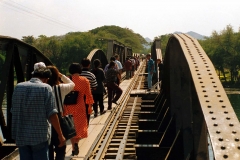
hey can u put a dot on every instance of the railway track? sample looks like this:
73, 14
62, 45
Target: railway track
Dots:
118, 137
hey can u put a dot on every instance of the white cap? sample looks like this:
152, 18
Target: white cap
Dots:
39, 65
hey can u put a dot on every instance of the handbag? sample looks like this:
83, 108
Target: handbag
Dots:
66, 122
71, 98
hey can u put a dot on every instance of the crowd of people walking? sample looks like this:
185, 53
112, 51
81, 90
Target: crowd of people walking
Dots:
35, 122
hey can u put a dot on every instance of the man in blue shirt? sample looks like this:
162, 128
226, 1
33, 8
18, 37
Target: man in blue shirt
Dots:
33, 107
151, 70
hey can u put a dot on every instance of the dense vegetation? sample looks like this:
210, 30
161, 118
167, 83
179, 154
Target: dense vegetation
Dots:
223, 49
74, 46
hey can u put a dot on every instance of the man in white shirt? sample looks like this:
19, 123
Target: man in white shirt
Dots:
118, 63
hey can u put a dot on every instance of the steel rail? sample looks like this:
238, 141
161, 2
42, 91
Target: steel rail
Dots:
123, 142
113, 118
117, 118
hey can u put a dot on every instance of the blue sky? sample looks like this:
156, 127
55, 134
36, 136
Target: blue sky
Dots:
149, 18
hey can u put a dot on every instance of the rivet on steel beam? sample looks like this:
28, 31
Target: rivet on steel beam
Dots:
238, 147
201, 81
198, 74
215, 124
221, 100
209, 106
199, 77
208, 70
225, 156
218, 132
223, 106
205, 63
196, 66
220, 139
215, 86
207, 101
213, 81
223, 147
203, 86
237, 139
211, 77
218, 95
211, 112
213, 118
194, 63
226, 112
205, 95
231, 124
216, 90
228, 118
204, 60
234, 132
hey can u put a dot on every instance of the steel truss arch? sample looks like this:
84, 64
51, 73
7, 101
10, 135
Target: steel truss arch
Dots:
198, 101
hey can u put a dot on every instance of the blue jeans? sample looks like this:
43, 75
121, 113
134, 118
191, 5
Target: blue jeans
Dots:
36, 152
149, 79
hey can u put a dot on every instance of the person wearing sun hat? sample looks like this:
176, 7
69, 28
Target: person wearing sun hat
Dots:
38, 65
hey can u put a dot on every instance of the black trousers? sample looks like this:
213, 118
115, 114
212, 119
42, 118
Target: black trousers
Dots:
98, 100
60, 151
113, 87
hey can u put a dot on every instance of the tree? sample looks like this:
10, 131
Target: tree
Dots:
28, 39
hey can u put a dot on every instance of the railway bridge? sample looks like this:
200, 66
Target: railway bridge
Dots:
185, 118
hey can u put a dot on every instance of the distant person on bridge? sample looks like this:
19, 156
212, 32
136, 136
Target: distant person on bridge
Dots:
33, 107
90, 76
160, 71
65, 88
111, 76
98, 93
79, 110
119, 66
151, 70
128, 68
112, 59
133, 66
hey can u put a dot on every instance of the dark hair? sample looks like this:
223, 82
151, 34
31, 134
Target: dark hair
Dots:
111, 64
112, 59
75, 68
54, 79
42, 73
116, 56
96, 63
85, 62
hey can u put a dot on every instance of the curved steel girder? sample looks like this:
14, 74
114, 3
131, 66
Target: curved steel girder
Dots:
18, 65
198, 101
97, 54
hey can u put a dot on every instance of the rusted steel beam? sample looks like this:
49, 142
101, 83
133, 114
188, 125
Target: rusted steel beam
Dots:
3, 85
207, 106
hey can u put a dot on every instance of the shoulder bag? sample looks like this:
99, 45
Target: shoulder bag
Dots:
71, 98
66, 122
